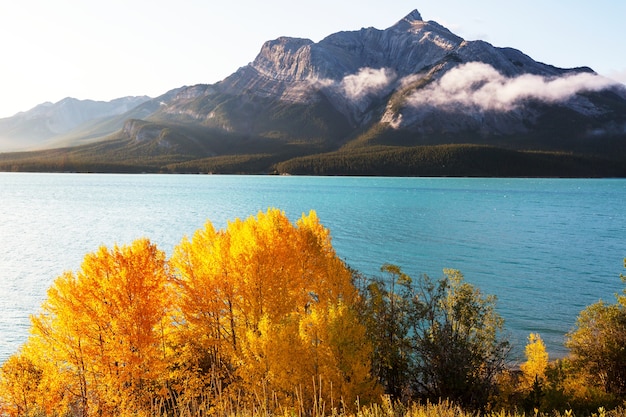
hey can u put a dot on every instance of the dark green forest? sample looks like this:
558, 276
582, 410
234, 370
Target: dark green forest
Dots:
428, 160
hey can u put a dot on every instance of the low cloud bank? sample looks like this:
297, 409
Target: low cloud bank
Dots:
367, 81
479, 85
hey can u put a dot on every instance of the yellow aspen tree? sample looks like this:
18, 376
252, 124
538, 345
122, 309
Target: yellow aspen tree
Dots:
301, 334
19, 387
207, 336
104, 328
340, 364
264, 251
57, 379
324, 272
136, 299
352, 360
33, 384
536, 360
322, 351
280, 278
273, 364
60, 334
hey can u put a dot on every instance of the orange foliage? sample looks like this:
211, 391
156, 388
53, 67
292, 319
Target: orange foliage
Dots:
19, 386
270, 301
102, 330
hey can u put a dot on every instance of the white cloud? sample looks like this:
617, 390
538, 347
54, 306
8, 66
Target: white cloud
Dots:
366, 81
357, 87
316, 82
479, 85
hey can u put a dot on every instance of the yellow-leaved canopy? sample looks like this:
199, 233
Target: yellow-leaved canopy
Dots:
534, 369
269, 307
99, 339
260, 314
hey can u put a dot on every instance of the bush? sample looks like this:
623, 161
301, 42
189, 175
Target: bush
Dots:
434, 339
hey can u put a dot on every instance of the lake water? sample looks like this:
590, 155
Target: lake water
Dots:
546, 247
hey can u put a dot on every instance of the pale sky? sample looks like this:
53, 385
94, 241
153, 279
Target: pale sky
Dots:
101, 50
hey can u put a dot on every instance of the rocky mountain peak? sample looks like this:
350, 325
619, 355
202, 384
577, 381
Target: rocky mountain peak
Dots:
414, 16
409, 21
283, 58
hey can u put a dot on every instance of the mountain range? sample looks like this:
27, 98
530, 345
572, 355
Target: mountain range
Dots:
55, 124
412, 99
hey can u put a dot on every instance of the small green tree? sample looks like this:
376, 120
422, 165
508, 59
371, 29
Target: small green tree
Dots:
434, 339
388, 312
598, 343
459, 343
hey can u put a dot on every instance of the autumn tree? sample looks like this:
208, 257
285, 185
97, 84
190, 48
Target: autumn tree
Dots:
267, 307
533, 378
206, 337
263, 310
103, 330
19, 387
536, 360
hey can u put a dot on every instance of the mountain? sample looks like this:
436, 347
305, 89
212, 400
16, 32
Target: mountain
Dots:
51, 123
412, 99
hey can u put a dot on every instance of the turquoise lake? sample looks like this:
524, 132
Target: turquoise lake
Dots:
545, 247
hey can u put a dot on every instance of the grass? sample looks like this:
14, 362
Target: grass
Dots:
216, 402
386, 408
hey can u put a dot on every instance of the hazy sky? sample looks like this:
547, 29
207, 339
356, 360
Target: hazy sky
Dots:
101, 50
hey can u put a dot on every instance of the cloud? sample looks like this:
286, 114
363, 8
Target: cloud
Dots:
356, 89
479, 85
316, 82
367, 81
